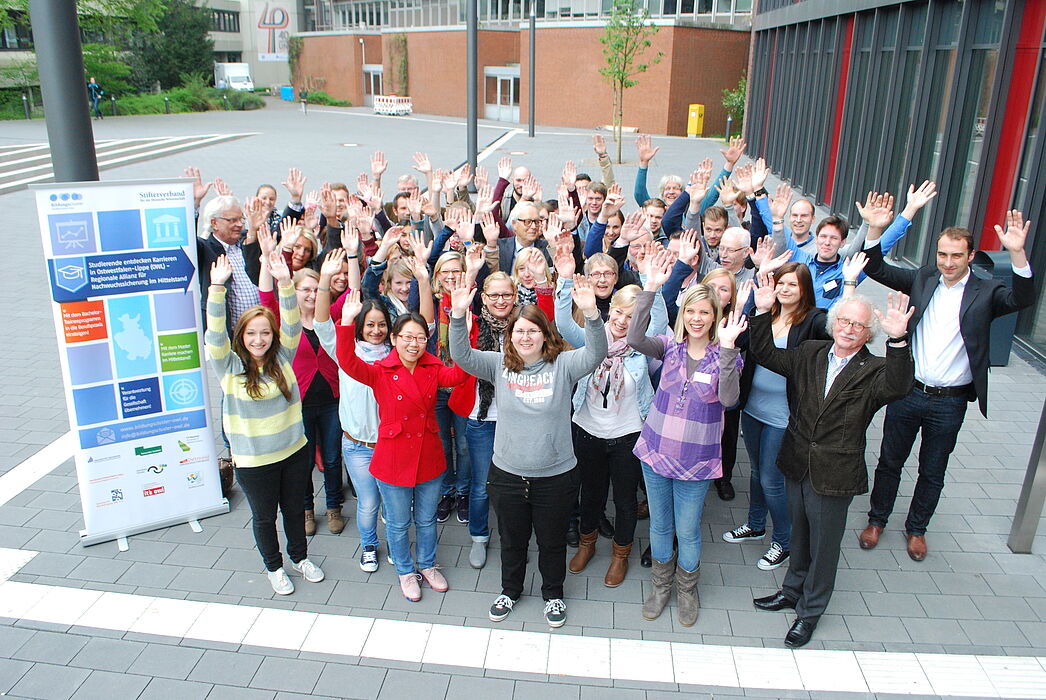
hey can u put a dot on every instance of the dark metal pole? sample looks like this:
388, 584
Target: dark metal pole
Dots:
56, 36
1033, 494
472, 20
533, 68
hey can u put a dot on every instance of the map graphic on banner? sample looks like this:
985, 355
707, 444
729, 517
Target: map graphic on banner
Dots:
121, 261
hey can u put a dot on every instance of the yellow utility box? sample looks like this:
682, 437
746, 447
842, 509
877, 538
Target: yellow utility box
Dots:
695, 121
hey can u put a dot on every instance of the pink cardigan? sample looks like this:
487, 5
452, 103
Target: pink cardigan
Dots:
306, 361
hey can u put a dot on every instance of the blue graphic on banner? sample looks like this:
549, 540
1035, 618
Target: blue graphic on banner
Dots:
182, 391
71, 234
89, 364
166, 228
119, 273
120, 230
175, 311
142, 429
96, 404
131, 327
140, 397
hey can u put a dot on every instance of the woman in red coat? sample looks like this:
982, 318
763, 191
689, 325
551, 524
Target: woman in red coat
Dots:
408, 460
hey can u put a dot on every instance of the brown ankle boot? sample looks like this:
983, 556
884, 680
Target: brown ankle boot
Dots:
585, 551
618, 565
335, 521
310, 523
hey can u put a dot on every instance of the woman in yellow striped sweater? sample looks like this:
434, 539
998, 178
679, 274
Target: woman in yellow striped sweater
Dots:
262, 417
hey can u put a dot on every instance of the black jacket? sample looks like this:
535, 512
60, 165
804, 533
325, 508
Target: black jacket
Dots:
826, 435
982, 302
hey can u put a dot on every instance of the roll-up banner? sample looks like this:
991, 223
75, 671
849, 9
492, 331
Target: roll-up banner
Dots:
121, 262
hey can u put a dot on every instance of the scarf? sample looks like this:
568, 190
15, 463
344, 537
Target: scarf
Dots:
371, 353
491, 330
526, 296
443, 329
609, 377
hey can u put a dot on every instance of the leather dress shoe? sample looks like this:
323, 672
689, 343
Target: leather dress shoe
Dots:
573, 536
777, 601
725, 489
800, 633
870, 536
645, 559
916, 547
606, 528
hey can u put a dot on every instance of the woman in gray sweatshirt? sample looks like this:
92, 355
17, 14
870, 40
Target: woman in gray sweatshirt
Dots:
533, 483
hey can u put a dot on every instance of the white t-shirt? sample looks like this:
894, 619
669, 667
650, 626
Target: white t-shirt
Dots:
619, 418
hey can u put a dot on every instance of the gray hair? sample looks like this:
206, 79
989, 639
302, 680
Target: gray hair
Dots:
213, 209
514, 214
743, 236
833, 314
670, 178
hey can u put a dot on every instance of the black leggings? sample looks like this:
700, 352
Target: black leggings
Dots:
282, 484
604, 462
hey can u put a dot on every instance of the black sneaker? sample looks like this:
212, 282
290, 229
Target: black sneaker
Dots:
774, 557
443, 508
555, 612
463, 509
743, 533
501, 608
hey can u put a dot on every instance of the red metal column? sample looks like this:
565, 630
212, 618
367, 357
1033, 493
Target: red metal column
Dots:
840, 103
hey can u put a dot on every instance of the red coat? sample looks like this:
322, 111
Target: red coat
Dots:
409, 451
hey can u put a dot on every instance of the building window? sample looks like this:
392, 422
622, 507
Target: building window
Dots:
17, 36
225, 21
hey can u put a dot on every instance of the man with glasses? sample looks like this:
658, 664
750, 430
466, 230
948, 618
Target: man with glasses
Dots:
528, 232
221, 233
835, 387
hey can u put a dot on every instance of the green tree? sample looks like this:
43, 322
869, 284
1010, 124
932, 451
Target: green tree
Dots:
626, 38
108, 68
182, 45
734, 102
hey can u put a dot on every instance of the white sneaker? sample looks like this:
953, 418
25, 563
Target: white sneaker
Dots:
311, 572
281, 583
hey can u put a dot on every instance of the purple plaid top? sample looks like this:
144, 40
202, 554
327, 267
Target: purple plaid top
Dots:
682, 435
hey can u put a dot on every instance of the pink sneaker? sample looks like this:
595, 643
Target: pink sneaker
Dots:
435, 579
410, 587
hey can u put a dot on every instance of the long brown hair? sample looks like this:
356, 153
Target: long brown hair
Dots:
554, 343
807, 300
252, 374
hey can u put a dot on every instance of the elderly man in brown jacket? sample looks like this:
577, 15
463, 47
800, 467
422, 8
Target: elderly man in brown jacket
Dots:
835, 388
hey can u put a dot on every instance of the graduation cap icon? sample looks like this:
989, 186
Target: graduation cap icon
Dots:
71, 275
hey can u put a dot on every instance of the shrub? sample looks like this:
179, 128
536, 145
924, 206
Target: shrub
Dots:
245, 100
319, 97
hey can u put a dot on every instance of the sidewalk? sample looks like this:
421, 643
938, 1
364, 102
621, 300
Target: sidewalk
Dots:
971, 596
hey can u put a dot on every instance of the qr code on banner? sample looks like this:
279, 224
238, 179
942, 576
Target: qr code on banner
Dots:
117, 495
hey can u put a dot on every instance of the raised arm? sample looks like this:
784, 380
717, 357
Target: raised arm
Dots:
584, 360
478, 363
217, 336
290, 315
349, 363
729, 362
761, 335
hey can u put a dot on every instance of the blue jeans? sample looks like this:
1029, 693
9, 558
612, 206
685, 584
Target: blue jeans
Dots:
675, 509
479, 434
763, 442
357, 466
399, 500
455, 449
323, 425
939, 418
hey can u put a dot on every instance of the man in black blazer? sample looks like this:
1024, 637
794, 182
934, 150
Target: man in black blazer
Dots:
526, 225
221, 227
838, 386
950, 340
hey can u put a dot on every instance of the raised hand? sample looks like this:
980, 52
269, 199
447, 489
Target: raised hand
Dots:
378, 165
1013, 238
414, 205
919, 198
221, 188
645, 150
256, 213
659, 268
633, 227
766, 292
484, 199
461, 296
531, 188
289, 235
732, 326
564, 261
418, 247
698, 186
295, 184
764, 250
854, 266
199, 189
428, 203
482, 178
569, 176
328, 204
221, 271
332, 264
474, 261
743, 179
690, 247
877, 210
744, 290
422, 164
352, 308
365, 220
538, 270
419, 269
462, 176
439, 181
505, 168
759, 174
727, 192
599, 145
584, 295
613, 203
350, 240
771, 264
278, 268
266, 241
734, 152
491, 230
781, 201
895, 321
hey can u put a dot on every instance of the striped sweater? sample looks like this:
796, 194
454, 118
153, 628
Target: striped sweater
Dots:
269, 429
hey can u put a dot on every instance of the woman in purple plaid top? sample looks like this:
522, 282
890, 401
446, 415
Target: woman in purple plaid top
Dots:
680, 444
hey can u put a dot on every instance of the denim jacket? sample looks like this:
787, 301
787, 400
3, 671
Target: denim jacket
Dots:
636, 363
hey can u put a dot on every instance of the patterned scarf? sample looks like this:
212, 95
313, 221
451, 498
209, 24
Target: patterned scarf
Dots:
491, 331
371, 353
609, 378
526, 296
443, 329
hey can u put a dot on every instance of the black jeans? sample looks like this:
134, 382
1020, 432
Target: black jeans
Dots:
323, 425
280, 484
602, 462
541, 506
939, 418
731, 422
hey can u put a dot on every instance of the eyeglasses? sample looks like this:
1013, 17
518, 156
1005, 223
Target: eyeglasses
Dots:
526, 333
411, 339
307, 292
850, 323
530, 222
730, 251
606, 274
504, 296
233, 219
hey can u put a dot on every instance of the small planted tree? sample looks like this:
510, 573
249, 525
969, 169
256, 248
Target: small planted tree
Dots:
734, 102
626, 38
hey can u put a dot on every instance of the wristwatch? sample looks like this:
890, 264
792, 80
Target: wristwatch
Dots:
897, 341
760, 192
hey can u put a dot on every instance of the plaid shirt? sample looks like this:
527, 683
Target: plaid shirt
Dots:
681, 438
242, 292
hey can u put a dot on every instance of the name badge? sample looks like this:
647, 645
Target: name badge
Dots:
830, 285
703, 377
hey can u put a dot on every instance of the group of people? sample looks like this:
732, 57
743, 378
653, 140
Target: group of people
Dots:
465, 347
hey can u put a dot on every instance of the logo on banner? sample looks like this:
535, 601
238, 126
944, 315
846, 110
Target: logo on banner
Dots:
184, 447
195, 479
141, 451
105, 436
184, 392
152, 490
70, 274
107, 458
191, 460
153, 469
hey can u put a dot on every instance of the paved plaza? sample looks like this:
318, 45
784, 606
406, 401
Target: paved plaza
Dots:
184, 614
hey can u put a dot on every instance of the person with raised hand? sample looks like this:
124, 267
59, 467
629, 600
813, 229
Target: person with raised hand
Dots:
533, 483
670, 186
679, 445
261, 414
408, 461
835, 386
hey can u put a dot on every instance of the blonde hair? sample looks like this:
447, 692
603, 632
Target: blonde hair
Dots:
400, 267
303, 273
499, 276
625, 297
524, 258
723, 272
699, 292
447, 257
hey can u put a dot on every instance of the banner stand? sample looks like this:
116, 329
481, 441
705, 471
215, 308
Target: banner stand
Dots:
185, 519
